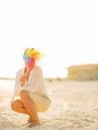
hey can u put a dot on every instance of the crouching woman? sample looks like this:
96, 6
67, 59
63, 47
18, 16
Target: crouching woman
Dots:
30, 95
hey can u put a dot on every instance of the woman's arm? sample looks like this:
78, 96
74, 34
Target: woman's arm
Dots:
25, 77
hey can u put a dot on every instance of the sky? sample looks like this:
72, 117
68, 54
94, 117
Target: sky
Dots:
66, 31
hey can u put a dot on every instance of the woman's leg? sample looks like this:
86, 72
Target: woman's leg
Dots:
18, 106
30, 106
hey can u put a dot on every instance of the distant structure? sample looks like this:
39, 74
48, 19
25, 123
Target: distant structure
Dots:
83, 72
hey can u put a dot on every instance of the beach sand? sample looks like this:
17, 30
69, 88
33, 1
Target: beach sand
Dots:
74, 107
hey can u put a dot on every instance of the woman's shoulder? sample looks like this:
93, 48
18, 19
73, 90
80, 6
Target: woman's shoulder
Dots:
37, 69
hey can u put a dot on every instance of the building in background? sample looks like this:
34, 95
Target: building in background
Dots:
83, 72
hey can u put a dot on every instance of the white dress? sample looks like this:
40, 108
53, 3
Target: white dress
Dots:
36, 87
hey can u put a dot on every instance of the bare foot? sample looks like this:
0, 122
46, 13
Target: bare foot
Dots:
33, 123
29, 120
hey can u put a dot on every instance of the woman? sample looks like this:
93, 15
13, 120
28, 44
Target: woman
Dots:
30, 88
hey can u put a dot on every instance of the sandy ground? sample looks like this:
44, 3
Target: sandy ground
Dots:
74, 107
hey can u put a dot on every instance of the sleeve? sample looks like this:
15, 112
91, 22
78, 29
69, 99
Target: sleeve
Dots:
35, 80
16, 85
17, 79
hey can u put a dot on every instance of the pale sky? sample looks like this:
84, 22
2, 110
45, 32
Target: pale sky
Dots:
66, 31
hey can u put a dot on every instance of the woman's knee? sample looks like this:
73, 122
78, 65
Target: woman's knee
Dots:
15, 104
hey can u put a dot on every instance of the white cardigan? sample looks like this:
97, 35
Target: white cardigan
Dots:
35, 83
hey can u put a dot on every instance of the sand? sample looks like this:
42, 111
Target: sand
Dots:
74, 107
